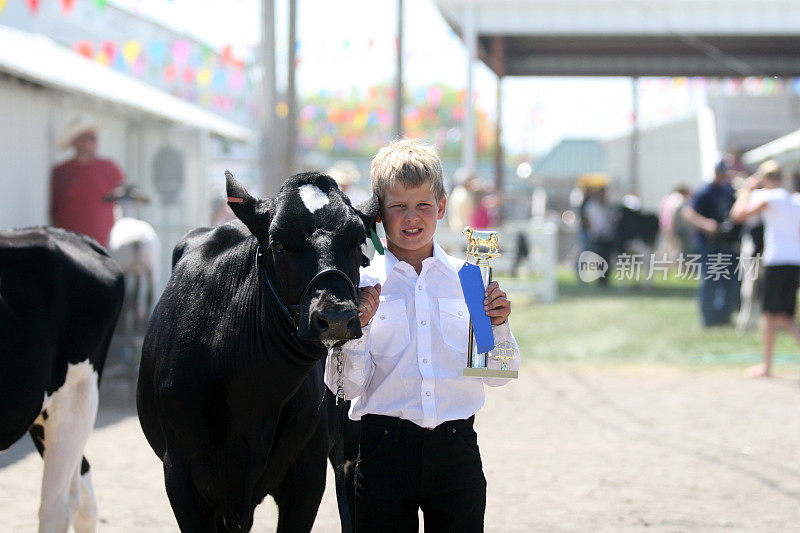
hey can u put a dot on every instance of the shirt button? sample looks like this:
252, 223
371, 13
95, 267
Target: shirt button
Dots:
423, 322
425, 361
461, 313
428, 393
383, 317
419, 287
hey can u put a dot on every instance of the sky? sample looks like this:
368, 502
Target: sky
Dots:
350, 43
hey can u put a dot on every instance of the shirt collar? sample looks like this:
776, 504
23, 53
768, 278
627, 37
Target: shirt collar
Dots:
446, 262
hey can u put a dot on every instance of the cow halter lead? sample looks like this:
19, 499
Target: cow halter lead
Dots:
292, 312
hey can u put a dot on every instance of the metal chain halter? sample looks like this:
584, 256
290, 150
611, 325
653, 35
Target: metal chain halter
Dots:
340, 370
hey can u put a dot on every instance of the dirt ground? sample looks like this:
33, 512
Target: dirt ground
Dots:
565, 448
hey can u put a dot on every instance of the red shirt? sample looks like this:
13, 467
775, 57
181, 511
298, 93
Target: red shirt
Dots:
76, 197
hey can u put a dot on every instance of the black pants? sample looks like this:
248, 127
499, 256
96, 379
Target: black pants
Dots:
402, 468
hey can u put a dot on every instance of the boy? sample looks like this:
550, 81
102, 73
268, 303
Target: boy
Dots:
418, 449
781, 212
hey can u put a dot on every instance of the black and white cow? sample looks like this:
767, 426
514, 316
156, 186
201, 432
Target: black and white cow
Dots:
231, 394
60, 296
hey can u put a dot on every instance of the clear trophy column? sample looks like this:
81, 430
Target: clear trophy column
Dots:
482, 246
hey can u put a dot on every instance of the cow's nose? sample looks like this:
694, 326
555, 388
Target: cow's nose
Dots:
334, 324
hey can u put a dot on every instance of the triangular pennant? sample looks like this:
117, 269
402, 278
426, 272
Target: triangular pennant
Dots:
33, 6
67, 6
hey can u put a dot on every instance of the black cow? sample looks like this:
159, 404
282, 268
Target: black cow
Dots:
60, 296
231, 394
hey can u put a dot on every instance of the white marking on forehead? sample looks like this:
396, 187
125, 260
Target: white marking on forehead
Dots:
313, 198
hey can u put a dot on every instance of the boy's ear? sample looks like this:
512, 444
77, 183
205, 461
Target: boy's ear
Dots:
369, 210
441, 208
256, 214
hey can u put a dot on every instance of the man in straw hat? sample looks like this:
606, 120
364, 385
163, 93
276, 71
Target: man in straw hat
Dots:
77, 186
780, 210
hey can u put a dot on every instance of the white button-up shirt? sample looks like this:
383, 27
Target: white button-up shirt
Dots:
408, 362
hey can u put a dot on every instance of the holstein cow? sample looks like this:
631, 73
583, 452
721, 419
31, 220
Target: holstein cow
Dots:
231, 394
60, 295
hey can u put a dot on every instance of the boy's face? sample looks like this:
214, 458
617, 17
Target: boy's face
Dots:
409, 217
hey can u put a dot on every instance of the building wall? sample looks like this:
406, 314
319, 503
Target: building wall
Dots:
34, 117
747, 121
682, 152
25, 168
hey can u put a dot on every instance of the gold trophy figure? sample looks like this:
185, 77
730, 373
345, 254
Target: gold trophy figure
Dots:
483, 246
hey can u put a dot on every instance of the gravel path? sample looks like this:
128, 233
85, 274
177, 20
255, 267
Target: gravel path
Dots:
566, 448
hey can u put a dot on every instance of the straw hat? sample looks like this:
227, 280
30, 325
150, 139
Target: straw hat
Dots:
77, 127
592, 179
344, 173
770, 166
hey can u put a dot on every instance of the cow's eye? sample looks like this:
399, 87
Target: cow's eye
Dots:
277, 247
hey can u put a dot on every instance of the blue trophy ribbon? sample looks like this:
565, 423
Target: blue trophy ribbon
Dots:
474, 294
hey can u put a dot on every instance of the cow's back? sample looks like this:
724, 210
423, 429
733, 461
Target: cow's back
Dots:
195, 318
60, 295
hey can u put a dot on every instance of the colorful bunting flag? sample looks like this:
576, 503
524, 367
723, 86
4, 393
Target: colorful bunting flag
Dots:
131, 51
170, 73
84, 48
157, 52
109, 48
33, 6
180, 52
67, 6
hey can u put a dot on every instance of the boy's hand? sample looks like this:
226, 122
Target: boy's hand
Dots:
496, 305
368, 302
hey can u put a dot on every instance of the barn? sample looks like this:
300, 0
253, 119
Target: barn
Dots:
163, 143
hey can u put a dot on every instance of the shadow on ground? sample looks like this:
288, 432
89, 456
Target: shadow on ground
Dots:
117, 401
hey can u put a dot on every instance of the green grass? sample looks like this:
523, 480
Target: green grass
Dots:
630, 323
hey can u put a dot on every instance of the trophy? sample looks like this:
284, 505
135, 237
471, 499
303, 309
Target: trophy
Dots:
482, 246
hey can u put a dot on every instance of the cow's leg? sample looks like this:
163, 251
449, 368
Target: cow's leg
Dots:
192, 514
301, 492
70, 419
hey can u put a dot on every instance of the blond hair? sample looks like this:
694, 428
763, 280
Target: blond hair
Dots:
408, 162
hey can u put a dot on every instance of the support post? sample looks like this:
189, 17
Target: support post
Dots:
498, 59
398, 86
291, 93
270, 167
634, 163
468, 135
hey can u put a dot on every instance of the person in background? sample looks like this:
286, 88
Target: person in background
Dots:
462, 199
715, 234
599, 224
484, 216
780, 210
671, 225
78, 186
346, 176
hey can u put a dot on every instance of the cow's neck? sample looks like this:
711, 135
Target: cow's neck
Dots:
291, 357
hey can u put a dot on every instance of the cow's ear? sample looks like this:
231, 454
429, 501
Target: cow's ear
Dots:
369, 210
255, 214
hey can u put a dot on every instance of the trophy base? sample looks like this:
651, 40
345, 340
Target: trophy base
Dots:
490, 373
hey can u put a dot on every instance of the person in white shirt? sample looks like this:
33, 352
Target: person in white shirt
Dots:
418, 448
780, 210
